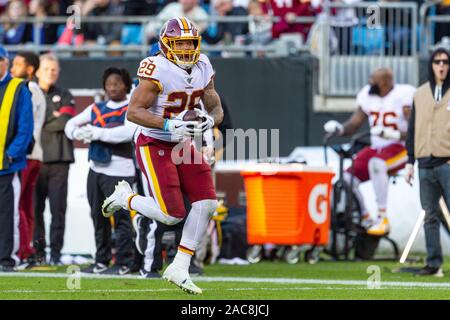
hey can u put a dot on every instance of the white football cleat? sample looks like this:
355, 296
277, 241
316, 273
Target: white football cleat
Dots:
117, 200
181, 278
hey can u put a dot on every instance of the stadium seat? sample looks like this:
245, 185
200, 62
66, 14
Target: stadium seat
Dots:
131, 34
367, 40
60, 30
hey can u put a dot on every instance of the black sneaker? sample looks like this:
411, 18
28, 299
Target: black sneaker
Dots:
149, 274
40, 260
140, 224
95, 268
7, 269
35, 260
430, 271
26, 264
118, 270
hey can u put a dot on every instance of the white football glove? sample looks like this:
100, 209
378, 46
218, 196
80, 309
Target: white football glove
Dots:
409, 173
82, 134
182, 128
207, 122
93, 132
386, 133
333, 126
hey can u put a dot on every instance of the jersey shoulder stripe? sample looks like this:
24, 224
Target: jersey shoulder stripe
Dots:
152, 68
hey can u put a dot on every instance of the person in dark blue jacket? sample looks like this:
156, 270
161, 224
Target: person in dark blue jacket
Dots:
16, 132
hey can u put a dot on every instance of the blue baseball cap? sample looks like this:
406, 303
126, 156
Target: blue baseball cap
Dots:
3, 53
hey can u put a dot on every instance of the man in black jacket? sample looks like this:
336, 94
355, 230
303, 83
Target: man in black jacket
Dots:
57, 156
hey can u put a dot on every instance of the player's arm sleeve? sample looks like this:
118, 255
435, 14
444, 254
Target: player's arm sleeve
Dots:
24, 115
410, 136
360, 97
79, 120
119, 134
210, 72
151, 71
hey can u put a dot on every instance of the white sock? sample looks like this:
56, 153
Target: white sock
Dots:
197, 223
148, 207
182, 259
193, 231
358, 194
378, 173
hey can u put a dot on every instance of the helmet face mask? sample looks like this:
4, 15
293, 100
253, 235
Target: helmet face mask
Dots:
173, 39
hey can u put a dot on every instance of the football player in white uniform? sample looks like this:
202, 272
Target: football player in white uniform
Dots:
387, 107
170, 84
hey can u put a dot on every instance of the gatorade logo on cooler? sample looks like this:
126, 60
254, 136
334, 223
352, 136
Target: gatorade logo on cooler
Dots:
318, 204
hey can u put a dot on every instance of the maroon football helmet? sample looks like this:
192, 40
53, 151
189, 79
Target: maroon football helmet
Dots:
175, 30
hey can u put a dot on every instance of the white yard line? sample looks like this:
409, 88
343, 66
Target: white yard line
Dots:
397, 284
176, 290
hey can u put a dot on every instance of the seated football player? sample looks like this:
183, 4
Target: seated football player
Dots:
170, 84
387, 107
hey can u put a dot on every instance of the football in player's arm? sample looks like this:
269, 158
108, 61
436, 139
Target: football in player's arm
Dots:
146, 94
172, 83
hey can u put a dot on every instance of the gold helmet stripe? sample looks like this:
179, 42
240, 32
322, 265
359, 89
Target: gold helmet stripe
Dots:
186, 28
189, 23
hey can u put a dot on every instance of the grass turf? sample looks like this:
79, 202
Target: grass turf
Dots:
325, 280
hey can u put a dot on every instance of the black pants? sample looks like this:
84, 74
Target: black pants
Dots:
9, 219
99, 187
52, 183
153, 259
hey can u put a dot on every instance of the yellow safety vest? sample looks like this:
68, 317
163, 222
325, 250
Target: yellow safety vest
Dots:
8, 98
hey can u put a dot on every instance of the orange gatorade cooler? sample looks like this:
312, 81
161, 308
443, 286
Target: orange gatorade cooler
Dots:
288, 204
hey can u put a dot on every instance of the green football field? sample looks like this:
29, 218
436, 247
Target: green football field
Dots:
265, 280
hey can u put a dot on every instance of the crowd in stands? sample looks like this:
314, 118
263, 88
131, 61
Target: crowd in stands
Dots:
259, 31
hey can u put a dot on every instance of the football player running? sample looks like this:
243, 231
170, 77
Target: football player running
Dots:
170, 84
387, 107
